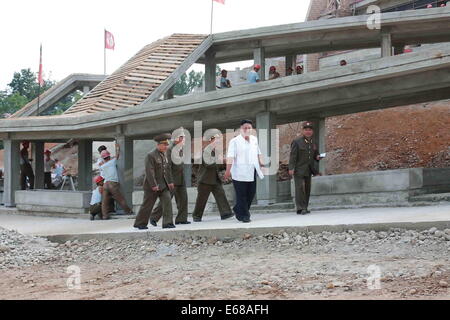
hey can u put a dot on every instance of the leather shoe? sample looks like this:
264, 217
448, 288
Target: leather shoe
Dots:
169, 226
142, 227
197, 220
183, 222
226, 216
299, 212
153, 223
246, 220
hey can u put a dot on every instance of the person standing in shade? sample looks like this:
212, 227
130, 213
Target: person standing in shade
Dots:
304, 153
299, 69
158, 183
289, 71
49, 164
209, 181
96, 199
244, 162
224, 82
253, 75
273, 73
26, 171
111, 187
180, 191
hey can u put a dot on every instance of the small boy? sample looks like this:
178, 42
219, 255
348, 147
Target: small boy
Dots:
96, 199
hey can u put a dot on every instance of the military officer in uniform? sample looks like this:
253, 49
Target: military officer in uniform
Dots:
304, 153
180, 191
209, 181
158, 183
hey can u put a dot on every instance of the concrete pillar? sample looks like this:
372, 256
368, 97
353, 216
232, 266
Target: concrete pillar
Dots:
290, 61
125, 167
259, 57
12, 171
320, 140
386, 44
210, 71
38, 164
266, 189
188, 174
168, 94
85, 165
86, 90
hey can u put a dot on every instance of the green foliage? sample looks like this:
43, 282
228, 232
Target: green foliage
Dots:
188, 82
10, 103
64, 104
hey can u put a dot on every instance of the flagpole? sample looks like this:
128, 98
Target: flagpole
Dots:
104, 52
212, 11
39, 80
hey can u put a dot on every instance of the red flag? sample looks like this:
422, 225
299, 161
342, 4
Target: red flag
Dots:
220, 1
109, 40
40, 79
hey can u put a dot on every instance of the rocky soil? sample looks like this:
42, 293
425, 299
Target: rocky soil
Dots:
405, 264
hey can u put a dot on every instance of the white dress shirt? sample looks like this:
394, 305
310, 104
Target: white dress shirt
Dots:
109, 171
245, 158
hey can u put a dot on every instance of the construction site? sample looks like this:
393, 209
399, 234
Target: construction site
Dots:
382, 201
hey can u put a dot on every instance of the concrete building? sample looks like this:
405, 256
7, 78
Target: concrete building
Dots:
135, 103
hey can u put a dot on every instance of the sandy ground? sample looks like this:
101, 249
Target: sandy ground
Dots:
323, 266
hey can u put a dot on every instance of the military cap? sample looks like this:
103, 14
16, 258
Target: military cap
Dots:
163, 138
308, 124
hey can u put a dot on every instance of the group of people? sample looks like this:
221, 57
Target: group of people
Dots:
164, 177
53, 169
253, 75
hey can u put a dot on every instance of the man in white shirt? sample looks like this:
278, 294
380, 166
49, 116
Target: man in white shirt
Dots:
111, 188
244, 162
49, 164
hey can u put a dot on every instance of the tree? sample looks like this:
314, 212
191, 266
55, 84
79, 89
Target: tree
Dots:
188, 82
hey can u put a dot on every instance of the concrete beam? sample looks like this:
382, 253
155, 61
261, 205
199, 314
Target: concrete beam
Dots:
12, 171
85, 165
210, 70
259, 57
266, 189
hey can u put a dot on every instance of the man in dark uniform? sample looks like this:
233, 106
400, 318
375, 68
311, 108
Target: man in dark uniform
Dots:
304, 153
26, 171
209, 181
158, 183
180, 191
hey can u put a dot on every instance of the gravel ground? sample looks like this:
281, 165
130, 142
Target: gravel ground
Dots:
326, 265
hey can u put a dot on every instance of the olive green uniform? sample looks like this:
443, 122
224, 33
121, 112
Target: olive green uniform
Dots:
209, 181
180, 191
302, 159
157, 173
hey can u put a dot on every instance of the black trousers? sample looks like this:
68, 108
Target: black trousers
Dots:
245, 192
48, 180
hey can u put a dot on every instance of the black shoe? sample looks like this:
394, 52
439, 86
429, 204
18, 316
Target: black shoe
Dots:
92, 217
153, 223
141, 227
246, 220
226, 216
299, 212
183, 222
169, 226
307, 211
197, 219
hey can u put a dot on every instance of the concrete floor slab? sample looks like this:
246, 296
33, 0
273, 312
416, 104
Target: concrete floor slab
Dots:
332, 220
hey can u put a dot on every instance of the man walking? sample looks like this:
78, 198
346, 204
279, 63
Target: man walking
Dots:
244, 162
209, 181
180, 191
158, 183
26, 171
111, 187
304, 153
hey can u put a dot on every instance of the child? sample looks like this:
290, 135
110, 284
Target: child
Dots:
96, 199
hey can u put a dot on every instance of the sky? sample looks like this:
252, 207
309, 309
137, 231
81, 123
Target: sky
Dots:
71, 32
